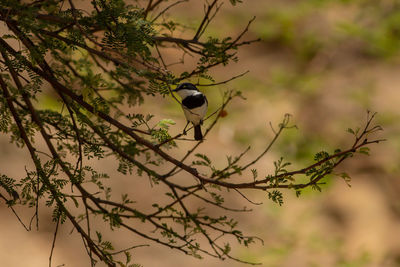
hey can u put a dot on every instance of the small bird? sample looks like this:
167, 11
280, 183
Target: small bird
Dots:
194, 104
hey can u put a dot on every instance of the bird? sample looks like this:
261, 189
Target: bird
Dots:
194, 105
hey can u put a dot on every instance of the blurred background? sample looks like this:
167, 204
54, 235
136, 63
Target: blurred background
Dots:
324, 62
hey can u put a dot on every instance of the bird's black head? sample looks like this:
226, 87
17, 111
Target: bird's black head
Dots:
187, 86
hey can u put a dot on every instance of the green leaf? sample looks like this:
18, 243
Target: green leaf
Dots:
99, 237
205, 159
255, 174
364, 150
165, 123
321, 156
149, 117
349, 130
276, 196
346, 178
8, 184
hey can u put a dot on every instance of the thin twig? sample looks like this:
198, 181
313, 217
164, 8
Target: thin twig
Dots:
16, 214
54, 240
226, 81
205, 18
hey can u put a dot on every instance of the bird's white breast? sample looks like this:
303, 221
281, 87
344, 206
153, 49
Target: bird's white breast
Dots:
195, 115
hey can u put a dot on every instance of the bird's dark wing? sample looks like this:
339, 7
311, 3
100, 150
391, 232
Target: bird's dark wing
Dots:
194, 101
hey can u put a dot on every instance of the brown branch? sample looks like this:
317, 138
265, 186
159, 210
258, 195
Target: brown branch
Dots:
12, 209
205, 18
167, 8
226, 81
55, 155
150, 7
54, 241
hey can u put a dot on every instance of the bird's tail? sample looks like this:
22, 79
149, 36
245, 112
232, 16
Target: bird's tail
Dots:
197, 133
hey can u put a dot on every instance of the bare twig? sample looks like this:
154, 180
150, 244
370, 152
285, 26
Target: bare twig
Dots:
54, 241
205, 19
